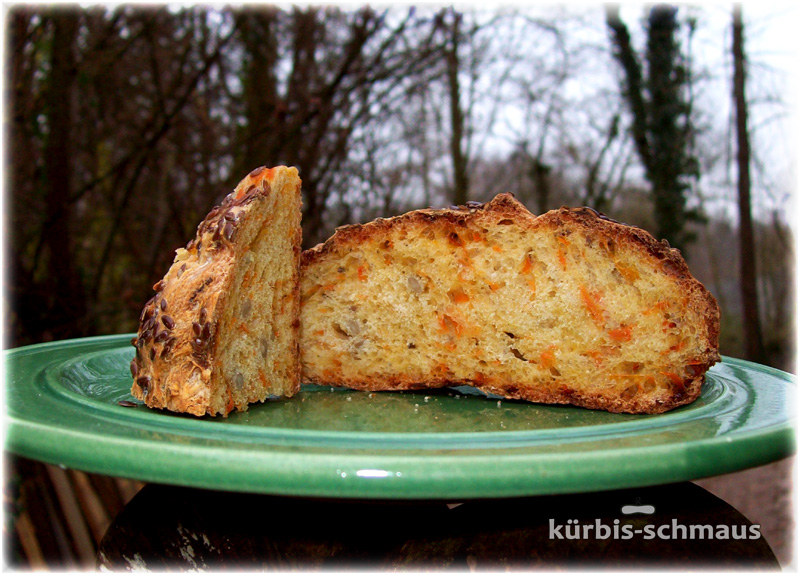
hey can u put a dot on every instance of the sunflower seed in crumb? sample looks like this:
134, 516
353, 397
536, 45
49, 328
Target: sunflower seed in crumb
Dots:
247, 308
352, 327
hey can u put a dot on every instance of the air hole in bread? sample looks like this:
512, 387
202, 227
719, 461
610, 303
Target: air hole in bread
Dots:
339, 331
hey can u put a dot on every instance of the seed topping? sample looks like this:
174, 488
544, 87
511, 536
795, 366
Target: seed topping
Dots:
167, 349
257, 171
203, 338
144, 383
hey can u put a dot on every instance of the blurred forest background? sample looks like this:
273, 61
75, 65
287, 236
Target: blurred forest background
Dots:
125, 125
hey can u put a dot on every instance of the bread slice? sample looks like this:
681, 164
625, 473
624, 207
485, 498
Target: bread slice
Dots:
568, 307
222, 330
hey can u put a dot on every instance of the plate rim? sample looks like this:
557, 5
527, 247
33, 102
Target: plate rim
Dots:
533, 477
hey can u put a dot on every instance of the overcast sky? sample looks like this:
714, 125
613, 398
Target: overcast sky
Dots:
771, 45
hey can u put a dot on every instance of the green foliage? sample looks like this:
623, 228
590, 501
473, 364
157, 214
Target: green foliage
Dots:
662, 127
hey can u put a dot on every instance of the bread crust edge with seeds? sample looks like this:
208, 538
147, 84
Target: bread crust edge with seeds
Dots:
177, 365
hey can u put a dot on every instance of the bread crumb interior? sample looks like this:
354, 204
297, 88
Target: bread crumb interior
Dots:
257, 343
494, 304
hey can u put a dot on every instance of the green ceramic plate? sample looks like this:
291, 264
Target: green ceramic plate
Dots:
450, 444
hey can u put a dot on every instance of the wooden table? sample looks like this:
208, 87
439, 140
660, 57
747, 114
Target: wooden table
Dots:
176, 528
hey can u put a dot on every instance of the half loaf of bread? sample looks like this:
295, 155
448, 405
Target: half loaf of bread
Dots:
221, 331
568, 307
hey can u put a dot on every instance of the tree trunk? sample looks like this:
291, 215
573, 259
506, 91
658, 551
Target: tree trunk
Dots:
69, 300
256, 27
540, 174
633, 84
751, 323
460, 179
661, 126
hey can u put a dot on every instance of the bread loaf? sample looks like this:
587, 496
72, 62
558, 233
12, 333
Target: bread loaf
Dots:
568, 307
221, 331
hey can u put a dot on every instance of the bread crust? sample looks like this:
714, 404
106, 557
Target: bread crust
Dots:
177, 343
658, 253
